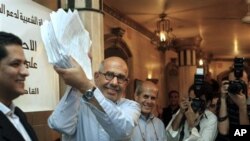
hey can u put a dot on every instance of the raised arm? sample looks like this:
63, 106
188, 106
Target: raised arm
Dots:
64, 118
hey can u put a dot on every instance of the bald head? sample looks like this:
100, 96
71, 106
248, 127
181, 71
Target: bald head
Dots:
146, 86
114, 61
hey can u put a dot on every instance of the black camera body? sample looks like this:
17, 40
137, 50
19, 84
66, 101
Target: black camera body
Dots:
198, 105
198, 81
235, 86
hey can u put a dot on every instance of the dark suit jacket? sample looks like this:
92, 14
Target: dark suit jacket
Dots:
8, 132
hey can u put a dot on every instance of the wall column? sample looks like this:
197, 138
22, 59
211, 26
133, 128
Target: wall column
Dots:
187, 49
91, 12
92, 18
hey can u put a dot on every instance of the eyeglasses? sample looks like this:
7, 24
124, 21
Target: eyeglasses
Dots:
110, 75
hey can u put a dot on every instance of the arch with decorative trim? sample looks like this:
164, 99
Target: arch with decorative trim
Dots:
114, 46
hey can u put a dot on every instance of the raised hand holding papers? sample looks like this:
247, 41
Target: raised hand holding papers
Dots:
66, 36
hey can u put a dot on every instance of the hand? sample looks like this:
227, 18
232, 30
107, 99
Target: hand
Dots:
239, 99
75, 76
191, 116
184, 104
224, 87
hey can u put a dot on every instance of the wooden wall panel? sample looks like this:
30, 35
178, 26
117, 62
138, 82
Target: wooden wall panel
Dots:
38, 120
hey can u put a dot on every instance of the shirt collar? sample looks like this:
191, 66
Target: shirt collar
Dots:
7, 110
151, 116
119, 101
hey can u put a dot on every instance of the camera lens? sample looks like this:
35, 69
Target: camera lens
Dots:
236, 86
197, 105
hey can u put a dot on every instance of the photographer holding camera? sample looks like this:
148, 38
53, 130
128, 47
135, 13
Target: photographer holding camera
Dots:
233, 101
194, 121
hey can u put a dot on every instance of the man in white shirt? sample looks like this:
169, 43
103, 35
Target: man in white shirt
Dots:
149, 127
194, 122
89, 113
13, 122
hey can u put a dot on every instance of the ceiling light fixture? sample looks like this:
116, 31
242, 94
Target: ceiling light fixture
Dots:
164, 38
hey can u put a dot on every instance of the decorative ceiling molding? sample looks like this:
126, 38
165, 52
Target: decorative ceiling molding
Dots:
228, 59
192, 43
128, 21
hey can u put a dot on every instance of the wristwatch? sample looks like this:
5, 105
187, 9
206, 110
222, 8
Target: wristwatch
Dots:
89, 94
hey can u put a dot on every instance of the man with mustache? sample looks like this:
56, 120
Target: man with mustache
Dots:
13, 71
149, 127
95, 112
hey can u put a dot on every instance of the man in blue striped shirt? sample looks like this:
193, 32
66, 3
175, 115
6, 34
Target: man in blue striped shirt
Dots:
96, 112
149, 127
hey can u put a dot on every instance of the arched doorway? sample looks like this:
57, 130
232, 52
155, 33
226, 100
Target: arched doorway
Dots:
115, 46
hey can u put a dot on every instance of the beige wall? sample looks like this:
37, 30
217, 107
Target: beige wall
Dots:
51, 4
217, 67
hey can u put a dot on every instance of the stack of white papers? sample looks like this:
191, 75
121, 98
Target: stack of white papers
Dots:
64, 36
